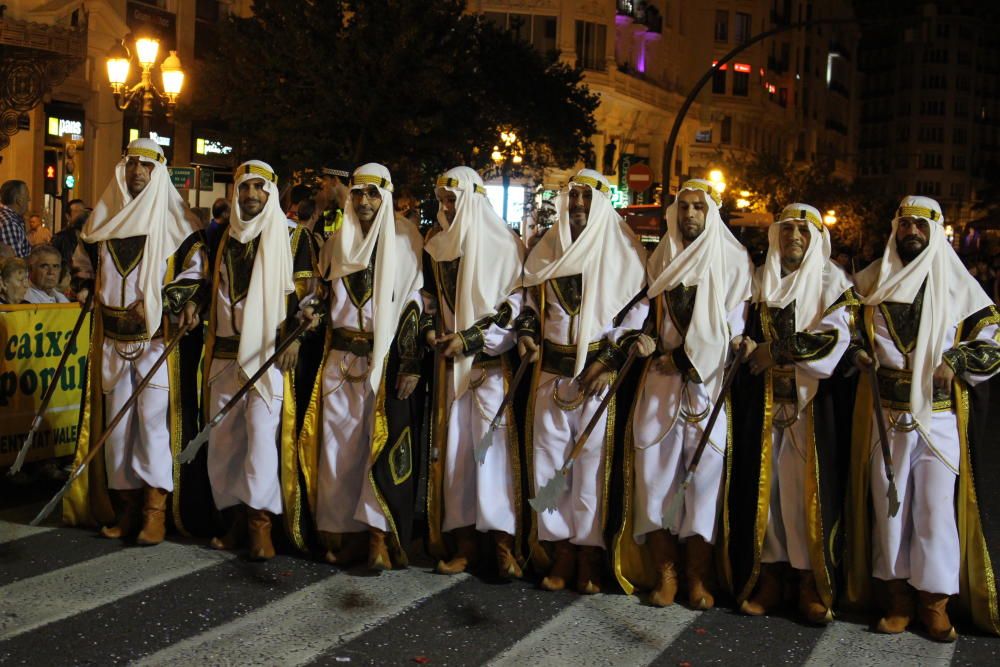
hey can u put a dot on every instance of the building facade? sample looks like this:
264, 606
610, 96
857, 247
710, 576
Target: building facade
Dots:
930, 121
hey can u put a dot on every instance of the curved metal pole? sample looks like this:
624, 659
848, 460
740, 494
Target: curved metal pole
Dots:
668, 153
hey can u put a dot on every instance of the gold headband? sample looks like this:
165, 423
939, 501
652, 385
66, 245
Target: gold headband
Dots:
918, 212
446, 182
592, 182
704, 187
149, 153
360, 179
256, 171
790, 213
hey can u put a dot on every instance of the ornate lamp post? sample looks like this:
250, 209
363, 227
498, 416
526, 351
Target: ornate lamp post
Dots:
508, 152
119, 64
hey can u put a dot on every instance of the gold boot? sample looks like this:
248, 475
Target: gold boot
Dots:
663, 547
588, 578
378, 552
154, 518
466, 551
507, 566
810, 604
259, 528
562, 569
128, 515
768, 594
933, 612
699, 568
236, 534
900, 611
353, 550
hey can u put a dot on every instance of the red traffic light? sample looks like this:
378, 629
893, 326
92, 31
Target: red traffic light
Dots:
50, 172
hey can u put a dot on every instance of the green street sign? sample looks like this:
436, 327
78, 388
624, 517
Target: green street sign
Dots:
182, 177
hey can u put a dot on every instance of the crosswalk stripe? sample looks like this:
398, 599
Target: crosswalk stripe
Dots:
15, 531
603, 629
30, 603
301, 626
844, 643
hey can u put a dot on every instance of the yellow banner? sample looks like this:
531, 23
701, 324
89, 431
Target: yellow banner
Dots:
34, 338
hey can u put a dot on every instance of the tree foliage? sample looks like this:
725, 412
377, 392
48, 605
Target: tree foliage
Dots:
417, 86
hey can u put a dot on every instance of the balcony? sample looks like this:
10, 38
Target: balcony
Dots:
642, 13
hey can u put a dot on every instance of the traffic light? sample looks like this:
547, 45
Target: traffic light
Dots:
50, 173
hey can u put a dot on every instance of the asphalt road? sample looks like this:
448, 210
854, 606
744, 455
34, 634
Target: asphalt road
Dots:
68, 597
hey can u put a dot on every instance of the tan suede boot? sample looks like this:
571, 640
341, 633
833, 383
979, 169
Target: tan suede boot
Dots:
378, 551
507, 566
663, 547
810, 604
562, 568
466, 551
353, 550
767, 597
236, 534
128, 515
589, 562
900, 611
933, 612
154, 518
259, 529
699, 568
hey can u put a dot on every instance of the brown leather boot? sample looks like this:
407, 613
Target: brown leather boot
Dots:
663, 547
128, 515
588, 577
353, 550
378, 552
236, 534
810, 604
699, 568
562, 568
767, 597
507, 566
466, 551
259, 529
154, 518
933, 611
900, 611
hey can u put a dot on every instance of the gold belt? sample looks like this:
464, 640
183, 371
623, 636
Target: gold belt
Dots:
894, 390
121, 325
561, 359
358, 343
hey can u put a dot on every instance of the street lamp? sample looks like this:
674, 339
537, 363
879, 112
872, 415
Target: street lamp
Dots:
509, 151
146, 51
718, 180
830, 219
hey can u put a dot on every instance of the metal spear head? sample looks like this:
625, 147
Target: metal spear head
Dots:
893, 498
548, 496
19, 461
479, 451
194, 446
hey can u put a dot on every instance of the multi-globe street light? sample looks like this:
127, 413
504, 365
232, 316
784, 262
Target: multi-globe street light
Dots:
119, 65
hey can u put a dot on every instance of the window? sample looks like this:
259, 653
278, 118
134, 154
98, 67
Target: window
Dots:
962, 82
206, 31
930, 161
901, 161
958, 162
590, 41
961, 108
741, 28
957, 190
943, 30
741, 84
932, 107
783, 97
931, 188
903, 133
903, 108
721, 25
538, 30
726, 135
959, 136
930, 134
719, 82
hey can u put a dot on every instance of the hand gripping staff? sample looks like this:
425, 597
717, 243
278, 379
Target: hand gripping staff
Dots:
51, 389
51, 505
548, 494
671, 518
891, 495
196, 443
487, 440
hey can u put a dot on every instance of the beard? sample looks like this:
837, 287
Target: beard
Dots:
910, 248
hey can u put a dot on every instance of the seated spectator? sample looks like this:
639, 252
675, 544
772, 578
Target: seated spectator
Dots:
38, 232
44, 271
13, 280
